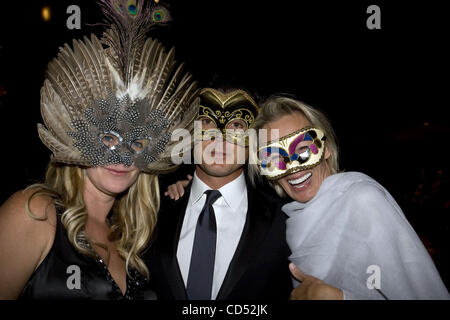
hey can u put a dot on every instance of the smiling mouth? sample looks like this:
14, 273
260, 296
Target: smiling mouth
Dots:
301, 181
117, 172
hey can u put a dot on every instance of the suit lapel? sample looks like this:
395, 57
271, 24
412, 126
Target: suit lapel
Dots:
258, 222
170, 233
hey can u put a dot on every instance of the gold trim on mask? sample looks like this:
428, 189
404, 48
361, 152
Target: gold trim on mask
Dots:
241, 114
292, 166
241, 137
223, 108
224, 98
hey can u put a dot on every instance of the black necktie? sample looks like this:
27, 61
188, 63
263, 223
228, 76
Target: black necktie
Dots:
201, 270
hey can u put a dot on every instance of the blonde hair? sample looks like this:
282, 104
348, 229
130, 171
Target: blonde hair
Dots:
278, 106
134, 212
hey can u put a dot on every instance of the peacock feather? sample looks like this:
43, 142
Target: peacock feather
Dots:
130, 21
123, 84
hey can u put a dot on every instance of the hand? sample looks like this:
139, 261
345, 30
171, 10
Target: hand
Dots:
176, 191
312, 288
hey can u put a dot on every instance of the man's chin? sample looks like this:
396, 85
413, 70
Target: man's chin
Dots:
220, 170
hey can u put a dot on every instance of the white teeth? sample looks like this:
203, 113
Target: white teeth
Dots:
301, 179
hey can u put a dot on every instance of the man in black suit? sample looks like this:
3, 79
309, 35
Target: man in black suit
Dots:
225, 239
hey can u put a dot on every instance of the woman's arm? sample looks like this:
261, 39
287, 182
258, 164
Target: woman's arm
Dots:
24, 241
176, 191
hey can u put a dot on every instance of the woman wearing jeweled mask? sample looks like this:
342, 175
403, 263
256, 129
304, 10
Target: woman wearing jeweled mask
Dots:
109, 107
349, 238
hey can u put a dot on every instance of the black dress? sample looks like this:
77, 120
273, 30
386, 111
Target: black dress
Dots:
66, 273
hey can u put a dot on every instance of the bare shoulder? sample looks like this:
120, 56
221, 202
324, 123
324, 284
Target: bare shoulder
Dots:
24, 240
34, 228
42, 211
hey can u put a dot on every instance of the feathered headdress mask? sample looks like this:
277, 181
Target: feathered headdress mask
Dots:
117, 99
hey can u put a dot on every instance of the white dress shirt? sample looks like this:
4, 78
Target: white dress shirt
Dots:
230, 211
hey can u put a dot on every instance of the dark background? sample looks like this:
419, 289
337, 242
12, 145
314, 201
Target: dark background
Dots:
385, 91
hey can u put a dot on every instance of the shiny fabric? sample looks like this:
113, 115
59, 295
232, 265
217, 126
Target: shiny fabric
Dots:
53, 278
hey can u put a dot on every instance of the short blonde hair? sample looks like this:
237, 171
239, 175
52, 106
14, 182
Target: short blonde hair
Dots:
278, 106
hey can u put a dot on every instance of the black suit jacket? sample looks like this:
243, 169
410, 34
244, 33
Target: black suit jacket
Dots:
258, 269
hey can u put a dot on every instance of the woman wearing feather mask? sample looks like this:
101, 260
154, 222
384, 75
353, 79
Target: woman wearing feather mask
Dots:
109, 107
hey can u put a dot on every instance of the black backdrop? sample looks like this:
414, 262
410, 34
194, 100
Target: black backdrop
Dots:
384, 90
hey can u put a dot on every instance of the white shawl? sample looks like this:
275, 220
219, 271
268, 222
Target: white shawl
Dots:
353, 228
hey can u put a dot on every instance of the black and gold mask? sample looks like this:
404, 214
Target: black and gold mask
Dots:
228, 114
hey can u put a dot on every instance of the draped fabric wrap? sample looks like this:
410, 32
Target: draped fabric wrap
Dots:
354, 236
